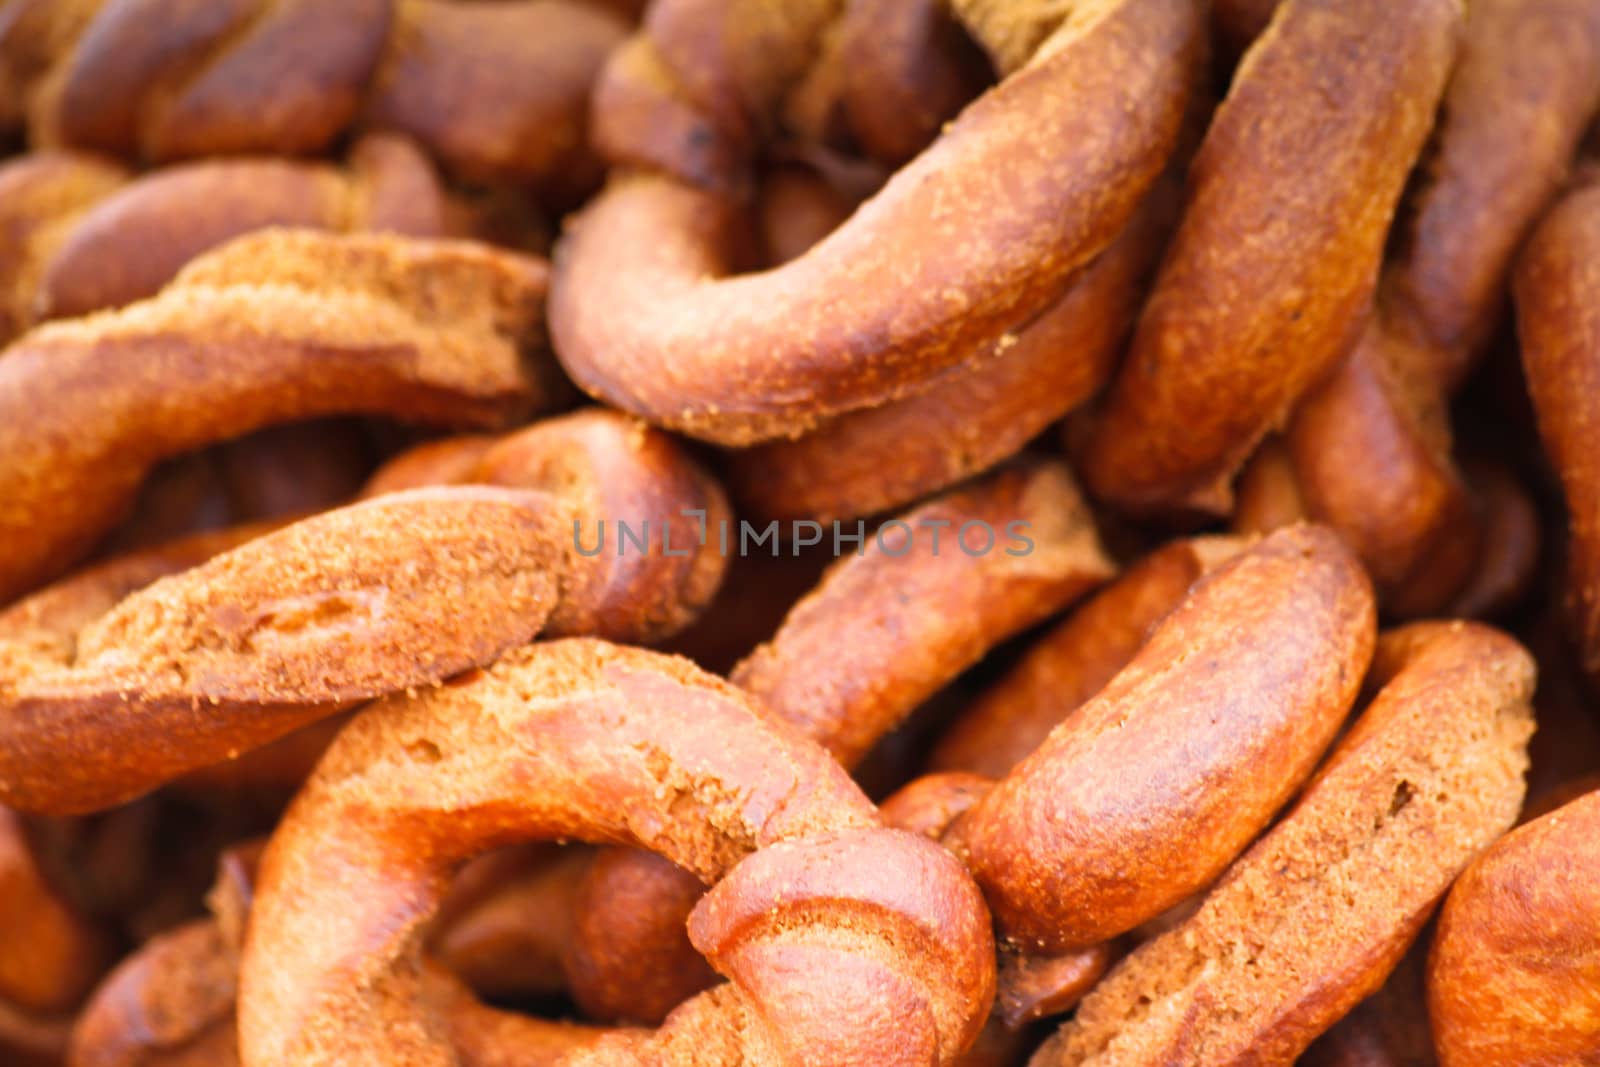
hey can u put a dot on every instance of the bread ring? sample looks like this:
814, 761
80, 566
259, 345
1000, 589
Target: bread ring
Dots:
1275, 260
287, 77
1405, 509
1529, 75
172, 1003
1558, 319
40, 194
851, 660
133, 241
1074, 660
1148, 791
970, 418
878, 635
1513, 976
273, 327
742, 360
1315, 915
582, 739
345, 607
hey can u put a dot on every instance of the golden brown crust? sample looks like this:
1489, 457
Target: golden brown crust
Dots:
1148, 791
879, 634
132, 242
1405, 510
172, 1003
1313, 918
497, 90
1290, 199
1074, 660
906, 69
867, 316
40, 195
399, 591
1514, 976
272, 327
885, 629
1403, 506
622, 962
1526, 86
163, 81
973, 416
1558, 319
1388, 1029
929, 804
578, 739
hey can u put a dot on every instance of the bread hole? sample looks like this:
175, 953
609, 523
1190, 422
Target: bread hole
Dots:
305, 613
1403, 792
424, 751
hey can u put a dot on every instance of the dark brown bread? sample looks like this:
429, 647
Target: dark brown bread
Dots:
172, 1003
1313, 918
130, 243
972, 238
975, 415
1529, 77
493, 90
1275, 260
881, 632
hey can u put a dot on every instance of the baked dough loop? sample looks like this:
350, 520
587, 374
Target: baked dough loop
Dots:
844, 942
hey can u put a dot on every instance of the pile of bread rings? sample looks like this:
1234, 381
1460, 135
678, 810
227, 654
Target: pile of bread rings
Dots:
799, 533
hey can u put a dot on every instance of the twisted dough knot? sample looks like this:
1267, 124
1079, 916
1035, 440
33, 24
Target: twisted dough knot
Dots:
276, 326
972, 238
105, 695
495, 90
844, 942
